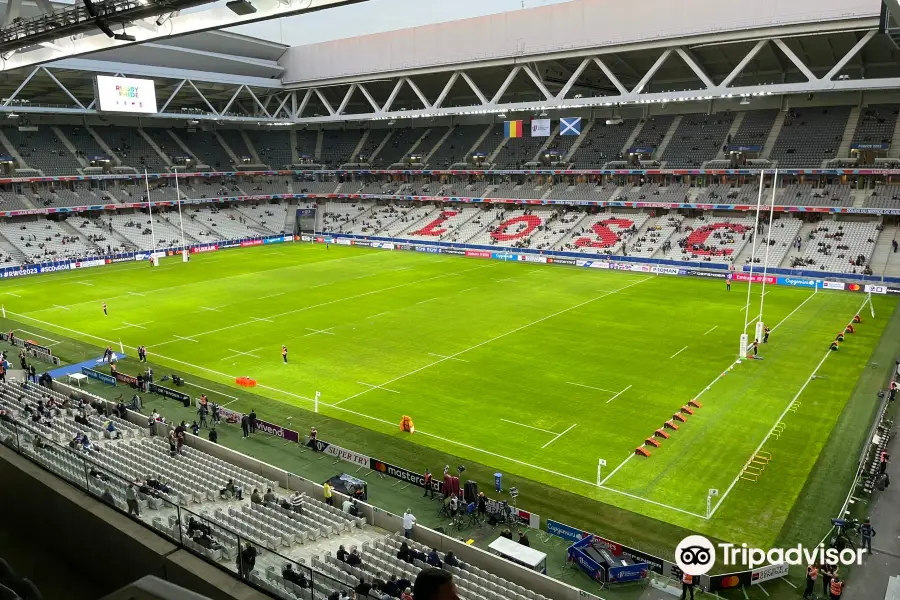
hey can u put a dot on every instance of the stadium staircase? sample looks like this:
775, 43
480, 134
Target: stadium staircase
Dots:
481, 139
439, 143
884, 259
68, 144
68, 229
631, 138
152, 143
793, 253
849, 131
103, 144
8, 248
735, 127
252, 149
231, 155
585, 131
184, 147
773, 135
537, 156
493, 155
859, 198
894, 152
12, 150
664, 143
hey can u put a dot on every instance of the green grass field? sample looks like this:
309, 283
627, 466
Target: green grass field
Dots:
534, 370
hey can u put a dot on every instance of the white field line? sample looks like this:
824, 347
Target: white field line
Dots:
272, 296
424, 301
711, 330
559, 435
321, 304
707, 388
380, 387
212, 309
590, 387
188, 339
135, 294
213, 391
83, 283
377, 419
62, 307
316, 331
778, 420
239, 353
502, 335
529, 426
379, 314
654, 502
11, 294
679, 352
43, 337
619, 394
808, 298
261, 319
127, 325
447, 357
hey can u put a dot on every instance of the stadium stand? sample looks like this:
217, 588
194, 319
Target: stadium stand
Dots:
490, 142
164, 141
42, 150
40, 241
517, 152
273, 147
653, 131
696, 140
839, 246
454, 149
604, 233
338, 146
809, 136
207, 149
371, 145
884, 196
132, 149
603, 143
235, 141
306, 145
804, 194
713, 239
754, 128
783, 237
398, 146
876, 125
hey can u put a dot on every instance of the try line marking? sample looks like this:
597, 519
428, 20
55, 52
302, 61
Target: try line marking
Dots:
780, 417
703, 391
559, 435
380, 387
711, 330
619, 394
590, 387
679, 352
495, 338
43, 337
529, 426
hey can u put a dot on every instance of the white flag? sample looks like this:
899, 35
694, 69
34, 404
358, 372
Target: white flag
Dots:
540, 128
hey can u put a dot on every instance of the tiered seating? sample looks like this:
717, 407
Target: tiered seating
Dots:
653, 131
557, 223
84, 142
472, 582
455, 147
655, 238
43, 241
131, 147
446, 226
603, 233
518, 151
339, 215
379, 219
269, 217
164, 141
884, 196
398, 146
306, 144
413, 220
65, 197
98, 232
266, 186
713, 239
42, 150
583, 191
206, 148
338, 146
810, 136
490, 142
783, 235
511, 228
876, 125
136, 229
602, 144
839, 247
720, 193
311, 186
755, 128
236, 142
804, 194
697, 139
273, 147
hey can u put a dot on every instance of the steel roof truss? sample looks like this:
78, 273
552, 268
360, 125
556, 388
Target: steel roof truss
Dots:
418, 92
298, 109
572, 79
503, 87
258, 103
21, 86
449, 86
801, 66
230, 102
649, 74
199, 93
852, 52
393, 96
173, 94
324, 101
610, 75
751, 54
370, 99
540, 84
478, 91
696, 68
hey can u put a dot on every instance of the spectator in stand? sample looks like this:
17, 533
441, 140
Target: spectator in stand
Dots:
293, 576
353, 559
409, 521
297, 502
132, 501
230, 491
256, 497
246, 560
345, 507
270, 496
450, 560
435, 584
403, 553
214, 436
433, 559
362, 589
403, 584
341, 553
329, 494
407, 594
390, 588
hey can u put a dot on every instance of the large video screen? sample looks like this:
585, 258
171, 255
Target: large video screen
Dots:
120, 94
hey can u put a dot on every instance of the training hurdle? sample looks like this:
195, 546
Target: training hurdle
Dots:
755, 467
777, 431
795, 406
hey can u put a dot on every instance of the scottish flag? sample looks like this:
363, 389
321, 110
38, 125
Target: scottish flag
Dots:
570, 126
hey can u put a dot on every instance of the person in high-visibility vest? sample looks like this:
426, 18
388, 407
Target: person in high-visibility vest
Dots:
687, 583
836, 588
812, 573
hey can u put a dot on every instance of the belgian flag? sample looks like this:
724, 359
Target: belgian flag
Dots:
512, 129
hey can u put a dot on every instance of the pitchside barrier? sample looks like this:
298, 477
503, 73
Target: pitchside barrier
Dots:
373, 515
42, 353
656, 266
